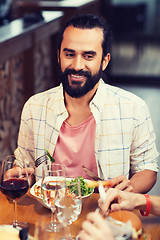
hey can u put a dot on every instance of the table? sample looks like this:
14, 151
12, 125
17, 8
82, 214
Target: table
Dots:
31, 211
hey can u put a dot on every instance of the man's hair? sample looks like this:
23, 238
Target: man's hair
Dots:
89, 21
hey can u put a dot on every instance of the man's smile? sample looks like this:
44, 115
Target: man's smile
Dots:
76, 78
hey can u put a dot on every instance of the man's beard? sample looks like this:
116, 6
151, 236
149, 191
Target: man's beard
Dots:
77, 90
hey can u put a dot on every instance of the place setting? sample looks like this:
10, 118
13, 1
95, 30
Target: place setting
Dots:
14, 183
65, 197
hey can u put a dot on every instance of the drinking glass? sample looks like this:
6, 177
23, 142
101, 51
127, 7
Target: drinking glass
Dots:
53, 185
14, 182
69, 207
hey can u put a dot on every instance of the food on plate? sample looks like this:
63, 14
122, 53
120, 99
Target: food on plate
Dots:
125, 216
85, 190
37, 190
92, 184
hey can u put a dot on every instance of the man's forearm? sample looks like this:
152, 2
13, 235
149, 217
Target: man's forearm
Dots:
143, 181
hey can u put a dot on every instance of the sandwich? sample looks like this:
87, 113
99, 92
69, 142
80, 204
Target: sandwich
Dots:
124, 216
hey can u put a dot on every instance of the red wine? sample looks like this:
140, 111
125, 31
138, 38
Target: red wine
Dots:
14, 188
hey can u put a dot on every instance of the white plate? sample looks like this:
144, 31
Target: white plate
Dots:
39, 198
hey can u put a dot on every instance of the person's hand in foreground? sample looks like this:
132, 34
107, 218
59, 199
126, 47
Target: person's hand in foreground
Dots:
95, 228
121, 200
117, 199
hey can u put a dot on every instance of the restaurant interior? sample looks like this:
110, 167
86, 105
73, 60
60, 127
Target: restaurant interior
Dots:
29, 30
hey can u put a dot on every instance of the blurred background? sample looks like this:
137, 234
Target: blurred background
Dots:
28, 36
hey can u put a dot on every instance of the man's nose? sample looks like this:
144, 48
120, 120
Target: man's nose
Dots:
78, 63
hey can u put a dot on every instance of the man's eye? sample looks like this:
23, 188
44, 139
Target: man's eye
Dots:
69, 55
88, 57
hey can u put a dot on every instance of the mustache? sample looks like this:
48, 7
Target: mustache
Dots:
79, 72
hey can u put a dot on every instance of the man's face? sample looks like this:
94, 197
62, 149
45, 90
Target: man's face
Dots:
80, 60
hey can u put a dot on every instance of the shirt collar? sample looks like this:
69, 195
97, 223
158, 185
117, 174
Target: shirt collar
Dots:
98, 99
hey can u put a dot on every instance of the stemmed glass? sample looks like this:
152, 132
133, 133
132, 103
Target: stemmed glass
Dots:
69, 207
52, 186
14, 182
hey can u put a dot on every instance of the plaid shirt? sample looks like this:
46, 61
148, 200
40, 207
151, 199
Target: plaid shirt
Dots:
124, 134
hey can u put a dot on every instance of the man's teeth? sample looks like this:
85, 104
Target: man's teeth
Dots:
76, 76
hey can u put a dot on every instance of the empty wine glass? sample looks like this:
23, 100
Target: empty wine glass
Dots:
14, 182
69, 207
53, 185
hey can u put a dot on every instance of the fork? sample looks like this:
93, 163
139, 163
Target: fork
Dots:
40, 160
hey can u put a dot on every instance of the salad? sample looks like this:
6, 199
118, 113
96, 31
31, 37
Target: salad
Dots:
83, 185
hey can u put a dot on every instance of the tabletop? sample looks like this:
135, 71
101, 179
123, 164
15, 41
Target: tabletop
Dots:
31, 211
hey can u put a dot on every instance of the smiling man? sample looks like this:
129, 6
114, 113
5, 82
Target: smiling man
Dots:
85, 121
81, 60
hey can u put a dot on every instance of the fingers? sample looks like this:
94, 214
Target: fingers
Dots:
30, 171
23, 171
116, 180
95, 228
129, 188
125, 186
13, 172
17, 171
111, 195
122, 183
117, 199
85, 236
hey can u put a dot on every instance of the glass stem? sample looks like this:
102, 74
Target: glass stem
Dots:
15, 213
53, 215
67, 232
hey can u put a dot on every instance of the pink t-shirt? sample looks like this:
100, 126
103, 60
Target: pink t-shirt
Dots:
76, 147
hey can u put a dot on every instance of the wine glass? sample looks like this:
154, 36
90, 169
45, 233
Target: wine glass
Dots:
14, 182
52, 185
69, 207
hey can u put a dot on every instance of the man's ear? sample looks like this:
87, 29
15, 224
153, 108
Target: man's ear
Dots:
58, 56
106, 61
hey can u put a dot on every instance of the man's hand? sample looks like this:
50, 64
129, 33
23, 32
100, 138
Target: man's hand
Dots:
122, 183
95, 228
16, 172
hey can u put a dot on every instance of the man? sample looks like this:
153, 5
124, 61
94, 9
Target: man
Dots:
87, 122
